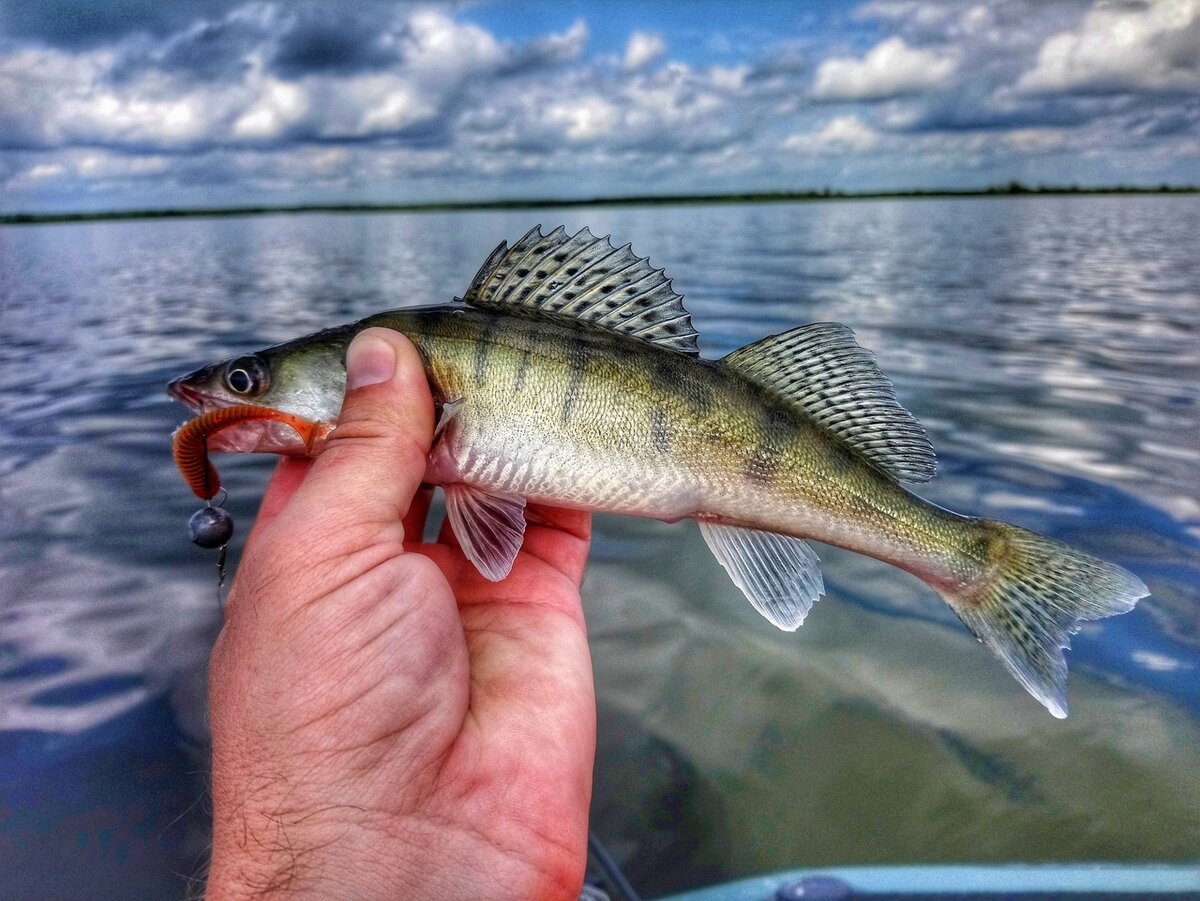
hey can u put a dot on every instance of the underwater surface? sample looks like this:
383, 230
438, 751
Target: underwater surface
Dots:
1051, 347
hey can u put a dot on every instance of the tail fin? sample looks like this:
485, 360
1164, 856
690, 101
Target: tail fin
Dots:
1034, 595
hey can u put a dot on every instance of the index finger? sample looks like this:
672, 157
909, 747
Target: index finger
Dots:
559, 537
289, 473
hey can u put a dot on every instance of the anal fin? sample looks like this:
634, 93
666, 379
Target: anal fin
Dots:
780, 575
489, 527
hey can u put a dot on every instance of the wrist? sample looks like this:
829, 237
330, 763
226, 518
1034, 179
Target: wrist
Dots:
257, 855
309, 856
265, 845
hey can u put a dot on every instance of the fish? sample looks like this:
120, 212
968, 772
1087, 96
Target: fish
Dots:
569, 374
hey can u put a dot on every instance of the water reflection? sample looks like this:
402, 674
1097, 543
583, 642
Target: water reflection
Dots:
1049, 346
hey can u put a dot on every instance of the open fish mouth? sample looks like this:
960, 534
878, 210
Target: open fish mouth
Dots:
194, 400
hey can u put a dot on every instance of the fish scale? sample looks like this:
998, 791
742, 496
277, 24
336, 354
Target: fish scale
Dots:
571, 376
554, 449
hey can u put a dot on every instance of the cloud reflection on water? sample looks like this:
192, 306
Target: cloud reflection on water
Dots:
1049, 346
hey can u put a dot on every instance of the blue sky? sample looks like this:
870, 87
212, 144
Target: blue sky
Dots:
148, 103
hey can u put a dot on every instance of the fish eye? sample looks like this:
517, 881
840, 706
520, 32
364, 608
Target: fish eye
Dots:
247, 375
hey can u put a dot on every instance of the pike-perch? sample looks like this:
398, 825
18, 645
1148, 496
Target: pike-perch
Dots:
569, 374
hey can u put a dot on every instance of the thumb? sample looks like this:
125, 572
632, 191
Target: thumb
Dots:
374, 460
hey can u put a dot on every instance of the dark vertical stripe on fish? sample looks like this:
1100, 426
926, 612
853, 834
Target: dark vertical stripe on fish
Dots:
663, 377
700, 398
761, 463
667, 377
660, 431
578, 350
523, 371
421, 333
483, 347
577, 354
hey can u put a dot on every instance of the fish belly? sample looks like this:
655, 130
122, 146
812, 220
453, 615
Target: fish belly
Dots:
564, 468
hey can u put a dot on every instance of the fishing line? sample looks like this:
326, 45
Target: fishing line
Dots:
611, 871
211, 527
221, 553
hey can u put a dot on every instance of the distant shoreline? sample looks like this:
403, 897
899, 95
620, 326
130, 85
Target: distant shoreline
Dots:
1012, 189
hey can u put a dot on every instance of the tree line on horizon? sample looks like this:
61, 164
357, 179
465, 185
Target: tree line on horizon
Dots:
1010, 188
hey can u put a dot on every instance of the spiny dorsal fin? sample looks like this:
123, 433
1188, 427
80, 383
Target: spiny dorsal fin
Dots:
585, 277
821, 370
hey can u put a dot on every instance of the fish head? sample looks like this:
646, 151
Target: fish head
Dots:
305, 378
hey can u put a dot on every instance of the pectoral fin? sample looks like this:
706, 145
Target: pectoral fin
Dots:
780, 575
489, 527
449, 411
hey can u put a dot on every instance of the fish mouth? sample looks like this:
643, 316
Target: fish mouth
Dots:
195, 400
181, 391
265, 435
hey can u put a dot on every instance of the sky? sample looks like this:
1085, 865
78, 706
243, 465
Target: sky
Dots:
127, 104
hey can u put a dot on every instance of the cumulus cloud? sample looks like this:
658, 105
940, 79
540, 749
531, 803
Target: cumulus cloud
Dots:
948, 21
642, 49
205, 51
50, 98
889, 69
849, 131
98, 165
839, 134
584, 118
1038, 140
278, 107
672, 109
240, 101
1126, 47
994, 43
311, 87
550, 50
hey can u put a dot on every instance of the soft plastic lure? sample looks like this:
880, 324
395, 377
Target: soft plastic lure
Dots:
190, 445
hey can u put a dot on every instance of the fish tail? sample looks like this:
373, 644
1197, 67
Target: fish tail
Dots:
1032, 595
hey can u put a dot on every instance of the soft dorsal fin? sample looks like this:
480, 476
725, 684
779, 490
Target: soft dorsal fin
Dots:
822, 371
585, 277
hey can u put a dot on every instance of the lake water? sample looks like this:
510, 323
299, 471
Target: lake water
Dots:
1051, 346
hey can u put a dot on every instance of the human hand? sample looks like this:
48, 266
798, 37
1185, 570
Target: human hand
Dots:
385, 722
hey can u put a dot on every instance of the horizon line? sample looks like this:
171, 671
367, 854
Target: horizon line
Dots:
1009, 189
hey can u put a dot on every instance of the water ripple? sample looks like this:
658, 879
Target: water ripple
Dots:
1049, 345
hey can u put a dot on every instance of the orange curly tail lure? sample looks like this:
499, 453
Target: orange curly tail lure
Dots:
190, 444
